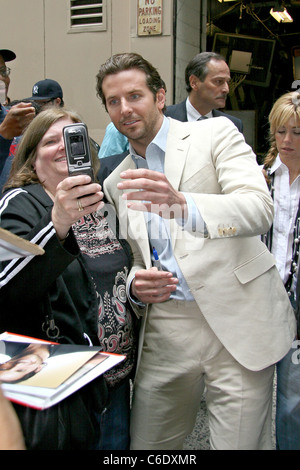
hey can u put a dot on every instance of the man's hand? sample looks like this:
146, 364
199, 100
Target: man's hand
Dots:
152, 286
152, 192
16, 120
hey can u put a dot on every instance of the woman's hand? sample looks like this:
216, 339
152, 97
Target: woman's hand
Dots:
11, 437
75, 197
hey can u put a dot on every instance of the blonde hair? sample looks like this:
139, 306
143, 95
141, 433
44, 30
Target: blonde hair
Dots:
22, 171
285, 108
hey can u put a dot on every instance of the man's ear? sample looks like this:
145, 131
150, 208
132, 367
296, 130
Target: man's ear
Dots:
57, 101
194, 82
161, 98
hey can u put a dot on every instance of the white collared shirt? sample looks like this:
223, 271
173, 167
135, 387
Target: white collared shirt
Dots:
192, 113
286, 201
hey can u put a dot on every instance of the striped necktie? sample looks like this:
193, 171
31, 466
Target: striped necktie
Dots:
201, 118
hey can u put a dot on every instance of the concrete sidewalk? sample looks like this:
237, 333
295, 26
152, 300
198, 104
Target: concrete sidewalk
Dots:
199, 438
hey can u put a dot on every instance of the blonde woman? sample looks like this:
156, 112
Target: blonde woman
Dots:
282, 167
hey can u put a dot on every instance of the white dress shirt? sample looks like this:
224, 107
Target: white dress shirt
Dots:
286, 201
192, 113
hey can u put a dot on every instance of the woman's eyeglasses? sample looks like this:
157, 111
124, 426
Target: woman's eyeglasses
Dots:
4, 71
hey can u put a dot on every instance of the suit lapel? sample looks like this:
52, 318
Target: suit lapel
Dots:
176, 153
175, 159
183, 111
138, 231
133, 222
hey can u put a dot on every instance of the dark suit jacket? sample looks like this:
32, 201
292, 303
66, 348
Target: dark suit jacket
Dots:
108, 164
178, 111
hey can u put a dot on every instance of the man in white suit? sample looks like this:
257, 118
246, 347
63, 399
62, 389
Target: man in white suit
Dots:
194, 192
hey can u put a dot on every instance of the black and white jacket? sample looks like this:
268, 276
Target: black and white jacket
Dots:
54, 286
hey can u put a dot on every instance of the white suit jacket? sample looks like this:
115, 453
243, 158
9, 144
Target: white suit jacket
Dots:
231, 273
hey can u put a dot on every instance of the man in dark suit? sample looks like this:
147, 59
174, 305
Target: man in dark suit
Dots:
207, 78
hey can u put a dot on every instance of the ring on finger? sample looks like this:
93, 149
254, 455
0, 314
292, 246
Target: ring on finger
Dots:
80, 207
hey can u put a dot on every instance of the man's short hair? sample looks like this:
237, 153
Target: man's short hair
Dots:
198, 67
128, 61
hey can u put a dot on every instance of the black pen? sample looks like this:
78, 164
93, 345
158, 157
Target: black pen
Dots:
156, 262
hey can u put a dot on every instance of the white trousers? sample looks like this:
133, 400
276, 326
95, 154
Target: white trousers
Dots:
181, 355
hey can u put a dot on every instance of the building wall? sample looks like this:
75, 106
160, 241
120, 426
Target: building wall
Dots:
38, 32
188, 35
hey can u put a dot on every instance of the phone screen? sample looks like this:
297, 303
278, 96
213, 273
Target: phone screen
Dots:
78, 151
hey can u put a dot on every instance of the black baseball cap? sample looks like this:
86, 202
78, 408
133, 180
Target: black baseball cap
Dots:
7, 55
46, 89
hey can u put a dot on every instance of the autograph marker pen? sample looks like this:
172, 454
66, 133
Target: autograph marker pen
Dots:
156, 262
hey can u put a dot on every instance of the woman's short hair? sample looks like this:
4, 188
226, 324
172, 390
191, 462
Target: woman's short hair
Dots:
22, 171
